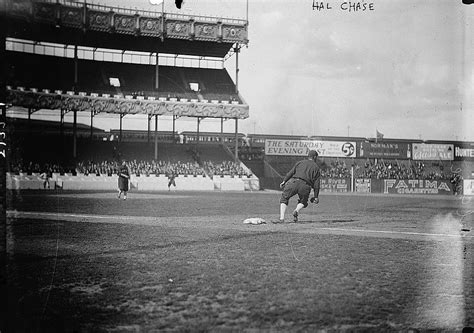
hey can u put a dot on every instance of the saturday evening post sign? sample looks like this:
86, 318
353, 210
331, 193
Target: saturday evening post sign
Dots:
301, 148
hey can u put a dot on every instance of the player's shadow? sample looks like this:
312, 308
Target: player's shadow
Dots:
327, 221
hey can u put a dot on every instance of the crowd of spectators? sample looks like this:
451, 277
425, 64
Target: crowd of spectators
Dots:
385, 170
225, 168
37, 168
167, 168
98, 169
395, 170
137, 168
336, 169
142, 168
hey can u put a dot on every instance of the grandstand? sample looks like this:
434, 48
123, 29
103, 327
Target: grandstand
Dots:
211, 155
95, 59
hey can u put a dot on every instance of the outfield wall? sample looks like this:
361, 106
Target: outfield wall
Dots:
228, 183
143, 183
389, 186
385, 186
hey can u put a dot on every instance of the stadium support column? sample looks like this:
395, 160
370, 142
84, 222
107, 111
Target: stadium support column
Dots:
120, 132
148, 129
61, 124
157, 81
156, 137
222, 131
236, 139
74, 136
75, 68
352, 179
61, 130
237, 50
174, 126
92, 123
197, 133
30, 112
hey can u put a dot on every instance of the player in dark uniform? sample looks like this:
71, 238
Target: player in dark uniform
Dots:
123, 179
171, 180
304, 176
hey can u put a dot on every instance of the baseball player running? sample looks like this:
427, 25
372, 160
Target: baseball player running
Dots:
304, 176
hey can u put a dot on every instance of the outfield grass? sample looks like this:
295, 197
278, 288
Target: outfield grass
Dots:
184, 261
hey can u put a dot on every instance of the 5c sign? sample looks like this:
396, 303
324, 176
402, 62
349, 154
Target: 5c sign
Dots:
348, 149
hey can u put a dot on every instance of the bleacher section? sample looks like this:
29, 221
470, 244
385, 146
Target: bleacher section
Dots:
95, 167
338, 168
57, 73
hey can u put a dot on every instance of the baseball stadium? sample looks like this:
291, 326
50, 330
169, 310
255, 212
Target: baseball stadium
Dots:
192, 245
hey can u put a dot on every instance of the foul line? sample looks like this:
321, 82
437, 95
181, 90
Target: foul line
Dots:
78, 217
150, 220
396, 232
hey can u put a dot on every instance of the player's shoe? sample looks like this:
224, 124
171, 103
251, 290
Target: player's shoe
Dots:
295, 216
278, 221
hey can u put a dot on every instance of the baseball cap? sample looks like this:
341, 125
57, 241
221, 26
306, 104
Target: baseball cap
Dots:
312, 153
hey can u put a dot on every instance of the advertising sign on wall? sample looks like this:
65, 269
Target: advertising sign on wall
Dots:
362, 185
385, 150
464, 152
335, 185
434, 152
301, 148
417, 186
468, 187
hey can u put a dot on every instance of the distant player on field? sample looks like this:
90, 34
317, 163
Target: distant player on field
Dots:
304, 176
46, 176
123, 179
171, 180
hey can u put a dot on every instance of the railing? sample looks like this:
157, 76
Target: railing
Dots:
143, 12
130, 57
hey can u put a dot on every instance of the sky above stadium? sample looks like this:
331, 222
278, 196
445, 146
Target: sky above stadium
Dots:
404, 68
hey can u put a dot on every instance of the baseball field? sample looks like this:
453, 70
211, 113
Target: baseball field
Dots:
186, 262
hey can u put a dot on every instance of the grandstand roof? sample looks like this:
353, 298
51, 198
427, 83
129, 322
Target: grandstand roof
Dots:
128, 131
276, 136
189, 133
71, 23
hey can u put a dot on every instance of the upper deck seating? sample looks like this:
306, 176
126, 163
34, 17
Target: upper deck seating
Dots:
57, 73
